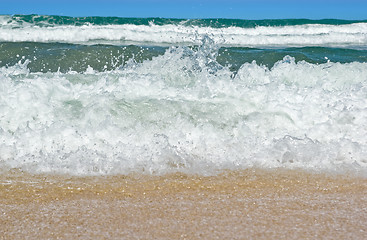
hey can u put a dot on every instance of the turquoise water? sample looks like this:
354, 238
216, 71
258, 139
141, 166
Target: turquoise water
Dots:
99, 95
42, 20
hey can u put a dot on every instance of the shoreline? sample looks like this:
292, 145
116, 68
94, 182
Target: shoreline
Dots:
252, 203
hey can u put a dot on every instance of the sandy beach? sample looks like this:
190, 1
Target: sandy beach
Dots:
248, 204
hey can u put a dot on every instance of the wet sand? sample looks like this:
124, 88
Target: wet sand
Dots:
249, 204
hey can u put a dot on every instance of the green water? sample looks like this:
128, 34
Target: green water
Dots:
52, 57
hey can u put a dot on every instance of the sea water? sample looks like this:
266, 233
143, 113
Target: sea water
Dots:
98, 95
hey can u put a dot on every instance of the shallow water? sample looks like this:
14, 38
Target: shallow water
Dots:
255, 203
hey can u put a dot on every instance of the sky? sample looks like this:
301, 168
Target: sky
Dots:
245, 9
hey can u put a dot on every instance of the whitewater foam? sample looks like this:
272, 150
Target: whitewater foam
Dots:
182, 111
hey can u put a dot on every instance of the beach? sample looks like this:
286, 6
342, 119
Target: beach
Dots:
247, 204
159, 128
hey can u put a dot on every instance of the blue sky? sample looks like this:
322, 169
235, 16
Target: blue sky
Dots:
245, 9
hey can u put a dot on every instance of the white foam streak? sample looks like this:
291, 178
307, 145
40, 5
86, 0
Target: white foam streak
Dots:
299, 35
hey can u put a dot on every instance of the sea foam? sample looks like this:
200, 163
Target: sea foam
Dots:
182, 111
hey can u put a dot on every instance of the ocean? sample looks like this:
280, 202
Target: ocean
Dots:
181, 102
100, 95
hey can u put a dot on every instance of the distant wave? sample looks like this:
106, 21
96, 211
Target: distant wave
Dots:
244, 33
